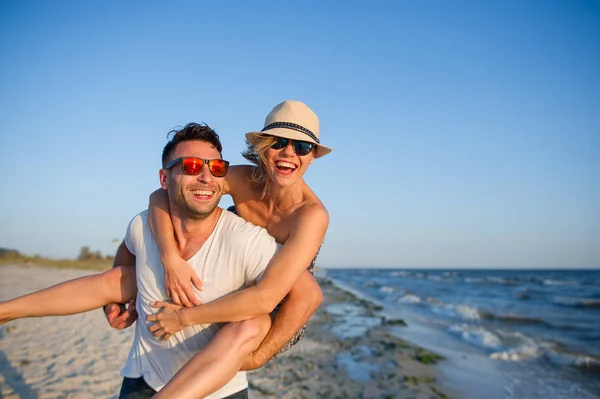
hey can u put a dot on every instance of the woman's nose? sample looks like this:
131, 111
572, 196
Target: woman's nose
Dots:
289, 148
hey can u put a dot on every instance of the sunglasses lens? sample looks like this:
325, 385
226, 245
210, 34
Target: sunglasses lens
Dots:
279, 143
192, 166
302, 147
218, 167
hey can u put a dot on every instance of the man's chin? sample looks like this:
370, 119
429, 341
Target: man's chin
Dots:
199, 213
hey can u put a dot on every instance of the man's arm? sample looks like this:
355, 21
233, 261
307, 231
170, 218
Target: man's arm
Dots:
120, 316
301, 302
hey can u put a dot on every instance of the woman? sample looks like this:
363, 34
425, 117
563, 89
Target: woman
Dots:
271, 194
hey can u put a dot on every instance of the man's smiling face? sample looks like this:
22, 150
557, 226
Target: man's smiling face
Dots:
192, 196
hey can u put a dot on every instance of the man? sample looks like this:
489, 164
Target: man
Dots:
226, 252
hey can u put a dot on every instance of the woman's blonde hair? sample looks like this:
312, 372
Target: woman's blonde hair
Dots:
256, 154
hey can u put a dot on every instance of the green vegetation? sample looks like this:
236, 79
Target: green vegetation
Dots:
426, 357
393, 322
368, 305
439, 394
87, 260
413, 381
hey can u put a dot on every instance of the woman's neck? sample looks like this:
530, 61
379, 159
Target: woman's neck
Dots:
282, 198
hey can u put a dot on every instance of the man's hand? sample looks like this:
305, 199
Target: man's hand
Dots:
179, 278
253, 361
119, 316
167, 320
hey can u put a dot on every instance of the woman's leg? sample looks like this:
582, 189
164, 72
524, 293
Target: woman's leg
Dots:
219, 361
74, 296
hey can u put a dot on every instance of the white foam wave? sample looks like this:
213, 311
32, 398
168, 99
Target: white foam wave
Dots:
474, 280
517, 354
386, 289
550, 281
464, 312
412, 299
477, 335
400, 273
467, 312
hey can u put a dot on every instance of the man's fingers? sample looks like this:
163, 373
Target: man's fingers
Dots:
112, 309
132, 316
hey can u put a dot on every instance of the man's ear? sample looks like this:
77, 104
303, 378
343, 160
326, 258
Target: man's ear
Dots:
162, 177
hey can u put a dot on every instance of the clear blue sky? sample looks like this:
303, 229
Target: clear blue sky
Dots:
465, 133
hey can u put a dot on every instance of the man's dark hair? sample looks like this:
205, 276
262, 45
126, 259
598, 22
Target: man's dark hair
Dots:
191, 131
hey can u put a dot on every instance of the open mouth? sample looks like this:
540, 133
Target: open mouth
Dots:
203, 194
285, 168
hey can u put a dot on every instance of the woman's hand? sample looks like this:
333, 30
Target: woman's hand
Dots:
179, 277
167, 320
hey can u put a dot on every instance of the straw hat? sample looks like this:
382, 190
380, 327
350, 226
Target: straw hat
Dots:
292, 120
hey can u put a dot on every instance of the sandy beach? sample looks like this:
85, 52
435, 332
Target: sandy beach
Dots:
348, 352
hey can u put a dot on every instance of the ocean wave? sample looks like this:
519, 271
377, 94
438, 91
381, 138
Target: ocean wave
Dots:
464, 312
400, 273
550, 281
576, 302
517, 354
475, 280
526, 348
491, 280
581, 361
477, 335
386, 289
512, 318
410, 298
502, 281
435, 277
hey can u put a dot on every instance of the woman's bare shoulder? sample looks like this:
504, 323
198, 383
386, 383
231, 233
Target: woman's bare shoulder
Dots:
313, 213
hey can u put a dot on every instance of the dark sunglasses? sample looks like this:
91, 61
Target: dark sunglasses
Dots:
301, 147
193, 166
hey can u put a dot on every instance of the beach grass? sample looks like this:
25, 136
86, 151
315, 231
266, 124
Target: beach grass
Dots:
100, 264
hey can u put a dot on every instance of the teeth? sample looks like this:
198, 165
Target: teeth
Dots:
284, 164
202, 192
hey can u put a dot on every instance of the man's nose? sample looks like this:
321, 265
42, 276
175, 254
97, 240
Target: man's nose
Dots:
205, 175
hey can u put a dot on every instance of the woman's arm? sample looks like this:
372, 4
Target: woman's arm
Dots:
179, 276
74, 296
283, 271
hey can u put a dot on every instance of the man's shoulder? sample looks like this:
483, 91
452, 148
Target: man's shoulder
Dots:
139, 220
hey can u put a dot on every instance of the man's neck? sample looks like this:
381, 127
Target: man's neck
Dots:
191, 234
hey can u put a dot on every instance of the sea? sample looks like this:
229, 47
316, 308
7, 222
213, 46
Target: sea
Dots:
505, 333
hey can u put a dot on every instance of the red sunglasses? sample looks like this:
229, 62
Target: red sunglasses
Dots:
193, 166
